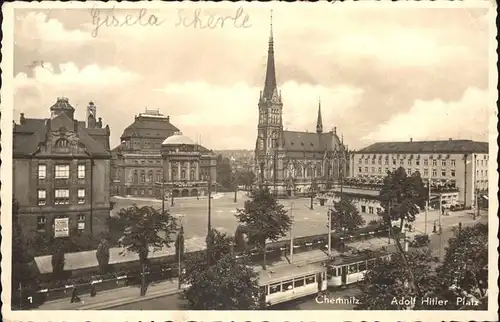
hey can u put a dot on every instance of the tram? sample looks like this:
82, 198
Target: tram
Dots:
292, 282
349, 270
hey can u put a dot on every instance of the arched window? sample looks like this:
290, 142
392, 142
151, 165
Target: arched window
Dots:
183, 174
192, 175
174, 174
143, 176
134, 180
62, 143
150, 176
159, 176
318, 171
299, 171
308, 172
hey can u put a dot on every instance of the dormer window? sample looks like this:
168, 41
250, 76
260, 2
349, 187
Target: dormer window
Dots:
62, 143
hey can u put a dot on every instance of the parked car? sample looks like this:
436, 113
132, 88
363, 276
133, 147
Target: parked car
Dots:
457, 207
420, 240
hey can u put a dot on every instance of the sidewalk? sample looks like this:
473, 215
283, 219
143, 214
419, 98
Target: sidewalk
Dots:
130, 294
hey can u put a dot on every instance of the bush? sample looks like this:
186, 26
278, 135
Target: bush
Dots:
102, 255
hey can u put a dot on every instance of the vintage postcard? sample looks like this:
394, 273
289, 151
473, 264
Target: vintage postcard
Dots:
244, 161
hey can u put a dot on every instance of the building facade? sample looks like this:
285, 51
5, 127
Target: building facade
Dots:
61, 171
187, 168
293, 162
137, 161
456, 169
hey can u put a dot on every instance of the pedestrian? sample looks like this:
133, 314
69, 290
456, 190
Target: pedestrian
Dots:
74, 296
93, 291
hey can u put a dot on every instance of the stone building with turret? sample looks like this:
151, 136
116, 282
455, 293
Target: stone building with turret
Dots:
138, 163
294, 162
61, 171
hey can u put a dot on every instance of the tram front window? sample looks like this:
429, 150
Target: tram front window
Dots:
288, 285
310, 279
332, 272
353, 268
362, 266
274, 288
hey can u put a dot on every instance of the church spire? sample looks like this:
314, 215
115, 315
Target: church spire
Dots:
319, 122
270, 82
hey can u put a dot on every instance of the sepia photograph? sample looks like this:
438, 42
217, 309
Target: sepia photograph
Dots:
334, 157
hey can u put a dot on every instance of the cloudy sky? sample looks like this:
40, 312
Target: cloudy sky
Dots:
382, 73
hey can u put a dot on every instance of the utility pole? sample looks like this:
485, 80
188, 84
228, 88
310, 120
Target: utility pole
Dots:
210, 200
328, 224
163, 196
180, 250
439, 223
291, 233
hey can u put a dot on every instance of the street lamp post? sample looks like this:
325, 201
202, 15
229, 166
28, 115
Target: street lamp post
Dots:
328, 224
180, 250
291, 233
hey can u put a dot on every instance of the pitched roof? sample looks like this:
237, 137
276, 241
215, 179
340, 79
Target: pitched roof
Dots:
29, 135
151, 127
310, 142
444, 146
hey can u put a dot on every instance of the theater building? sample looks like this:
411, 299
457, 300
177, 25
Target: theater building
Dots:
137, 161
188, 168
456, 169
61, 171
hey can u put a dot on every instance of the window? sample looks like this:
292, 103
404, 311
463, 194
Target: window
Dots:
481, 173
452, 173
142, 192
310, 279
183, 174
81, 196
332, 271
150, 176
426, 172
298, 283
394, 161
362, 266
62, 143
363, 208
434, 163
426, 162
366, 161
62, 171
134, 180
434, 172
402, 162
61, 197
373, 169
486, 173
379, 161
409, 162
42, 197
408, 171
274, 288
150, 191
158, 176
373, 161
443, 163
42, 171
81, 222
81, 171
417, 162
353, 268
370, 210
360, 161
287, 286
452, 162
379, 170
366, 169
482, 162
443, 173
360, 169
386, 162
40, 223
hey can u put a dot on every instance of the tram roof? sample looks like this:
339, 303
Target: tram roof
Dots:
361, 256
288, 272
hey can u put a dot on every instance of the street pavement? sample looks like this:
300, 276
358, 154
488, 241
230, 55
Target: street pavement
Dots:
334, 299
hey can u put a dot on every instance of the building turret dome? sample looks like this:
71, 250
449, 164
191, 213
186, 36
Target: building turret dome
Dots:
178, 139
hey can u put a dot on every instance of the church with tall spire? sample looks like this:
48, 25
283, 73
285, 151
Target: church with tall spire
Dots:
294, 162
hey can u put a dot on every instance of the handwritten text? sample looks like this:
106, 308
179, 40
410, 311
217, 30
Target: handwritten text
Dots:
108, 19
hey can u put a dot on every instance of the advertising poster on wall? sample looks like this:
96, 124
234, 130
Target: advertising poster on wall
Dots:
61, 227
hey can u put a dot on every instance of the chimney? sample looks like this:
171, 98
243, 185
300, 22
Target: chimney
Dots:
22, 119
411, 139
335, 130
168, 118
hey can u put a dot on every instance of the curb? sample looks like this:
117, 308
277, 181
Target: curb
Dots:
129, 300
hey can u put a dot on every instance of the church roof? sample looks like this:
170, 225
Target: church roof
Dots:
62, 103
310, 142
443, 146
270, 85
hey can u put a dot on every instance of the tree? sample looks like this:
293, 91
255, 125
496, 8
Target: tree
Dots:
102, 255
387, 282
217, 280
245, 178
22, 258
465, 265
402, 197
264, 218
344, 216
224, 172
58, 260
240, 238
146, 227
